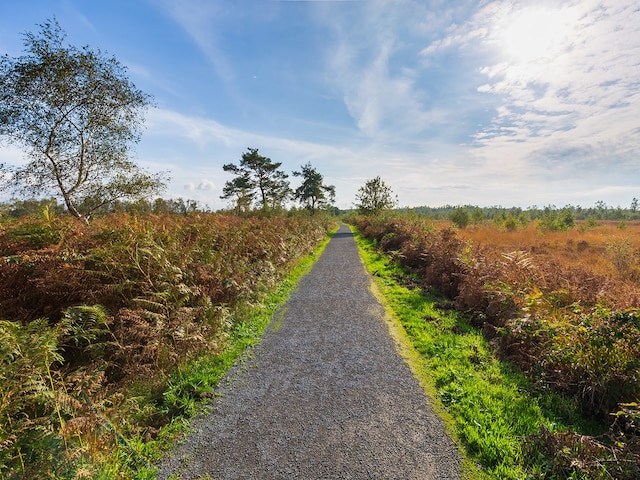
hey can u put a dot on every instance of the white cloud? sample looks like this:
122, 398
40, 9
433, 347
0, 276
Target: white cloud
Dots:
374, 63
206, 185
578, 102
443, 108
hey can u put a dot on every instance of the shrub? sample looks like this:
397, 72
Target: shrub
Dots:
557, 220
460, 217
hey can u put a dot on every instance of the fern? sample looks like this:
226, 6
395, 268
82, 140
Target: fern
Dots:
84, 324
29, 390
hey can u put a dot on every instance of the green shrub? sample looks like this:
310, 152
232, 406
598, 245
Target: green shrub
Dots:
460, 217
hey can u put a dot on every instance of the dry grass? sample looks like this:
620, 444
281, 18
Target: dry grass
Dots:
582, 247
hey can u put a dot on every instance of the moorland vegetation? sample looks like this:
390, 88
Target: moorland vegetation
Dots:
114, 329
100, 322
559, 303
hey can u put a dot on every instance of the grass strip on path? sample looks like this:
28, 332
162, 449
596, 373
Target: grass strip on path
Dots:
483, 401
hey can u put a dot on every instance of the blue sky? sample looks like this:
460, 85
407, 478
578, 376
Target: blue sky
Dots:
450, 102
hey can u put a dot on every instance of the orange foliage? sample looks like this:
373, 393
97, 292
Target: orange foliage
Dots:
561, 305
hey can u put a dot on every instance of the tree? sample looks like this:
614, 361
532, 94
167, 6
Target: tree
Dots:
374, 197
240, 189
257, 176
75, 113
460, 217
313, 193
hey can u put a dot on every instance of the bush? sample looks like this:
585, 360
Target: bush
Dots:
460, 217
557, 220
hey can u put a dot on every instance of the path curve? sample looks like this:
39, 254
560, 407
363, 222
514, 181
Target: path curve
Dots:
324, 394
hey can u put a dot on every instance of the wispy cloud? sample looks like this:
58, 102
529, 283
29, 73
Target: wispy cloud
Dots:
199, 19
376, 71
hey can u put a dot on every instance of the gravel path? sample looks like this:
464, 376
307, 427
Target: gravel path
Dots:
324, 394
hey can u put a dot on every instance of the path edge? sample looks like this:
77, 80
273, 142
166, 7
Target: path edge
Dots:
404, 347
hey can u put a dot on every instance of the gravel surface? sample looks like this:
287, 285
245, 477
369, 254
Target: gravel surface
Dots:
324, 394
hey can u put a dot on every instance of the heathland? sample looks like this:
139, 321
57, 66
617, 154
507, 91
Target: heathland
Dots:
114, 333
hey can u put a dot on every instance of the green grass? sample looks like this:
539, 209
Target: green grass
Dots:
190, 388
487, 404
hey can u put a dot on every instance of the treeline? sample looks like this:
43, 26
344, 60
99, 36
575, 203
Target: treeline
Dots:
33, 207
600, 211
21, 208
548, 218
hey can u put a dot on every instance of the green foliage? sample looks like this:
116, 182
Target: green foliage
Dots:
18, 208
30, 391
313, 193
75, 112
374, 197
511, 221
85, 329
557, 220
600, 211
460, 217
256, 177
37, 234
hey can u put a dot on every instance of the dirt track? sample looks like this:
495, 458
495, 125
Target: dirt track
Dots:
324, 395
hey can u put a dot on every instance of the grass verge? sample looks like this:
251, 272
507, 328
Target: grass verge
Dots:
190, 388
486, 404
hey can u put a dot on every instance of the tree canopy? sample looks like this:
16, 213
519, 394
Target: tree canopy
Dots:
258, 179
374, 197
313, 193
75, 113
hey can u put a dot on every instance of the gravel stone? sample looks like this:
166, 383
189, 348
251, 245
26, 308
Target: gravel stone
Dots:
323, 395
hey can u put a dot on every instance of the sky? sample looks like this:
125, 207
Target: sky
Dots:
450, 102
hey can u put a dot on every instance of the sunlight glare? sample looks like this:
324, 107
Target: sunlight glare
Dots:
533, 33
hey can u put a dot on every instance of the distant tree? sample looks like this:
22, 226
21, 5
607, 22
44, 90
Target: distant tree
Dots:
19, 208
75, 112
460, 217
257, 178
375, 197
477, 216
557, 220
602, 209
241, 191
313, 193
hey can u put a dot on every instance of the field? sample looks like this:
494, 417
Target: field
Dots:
562, 307
103, 329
